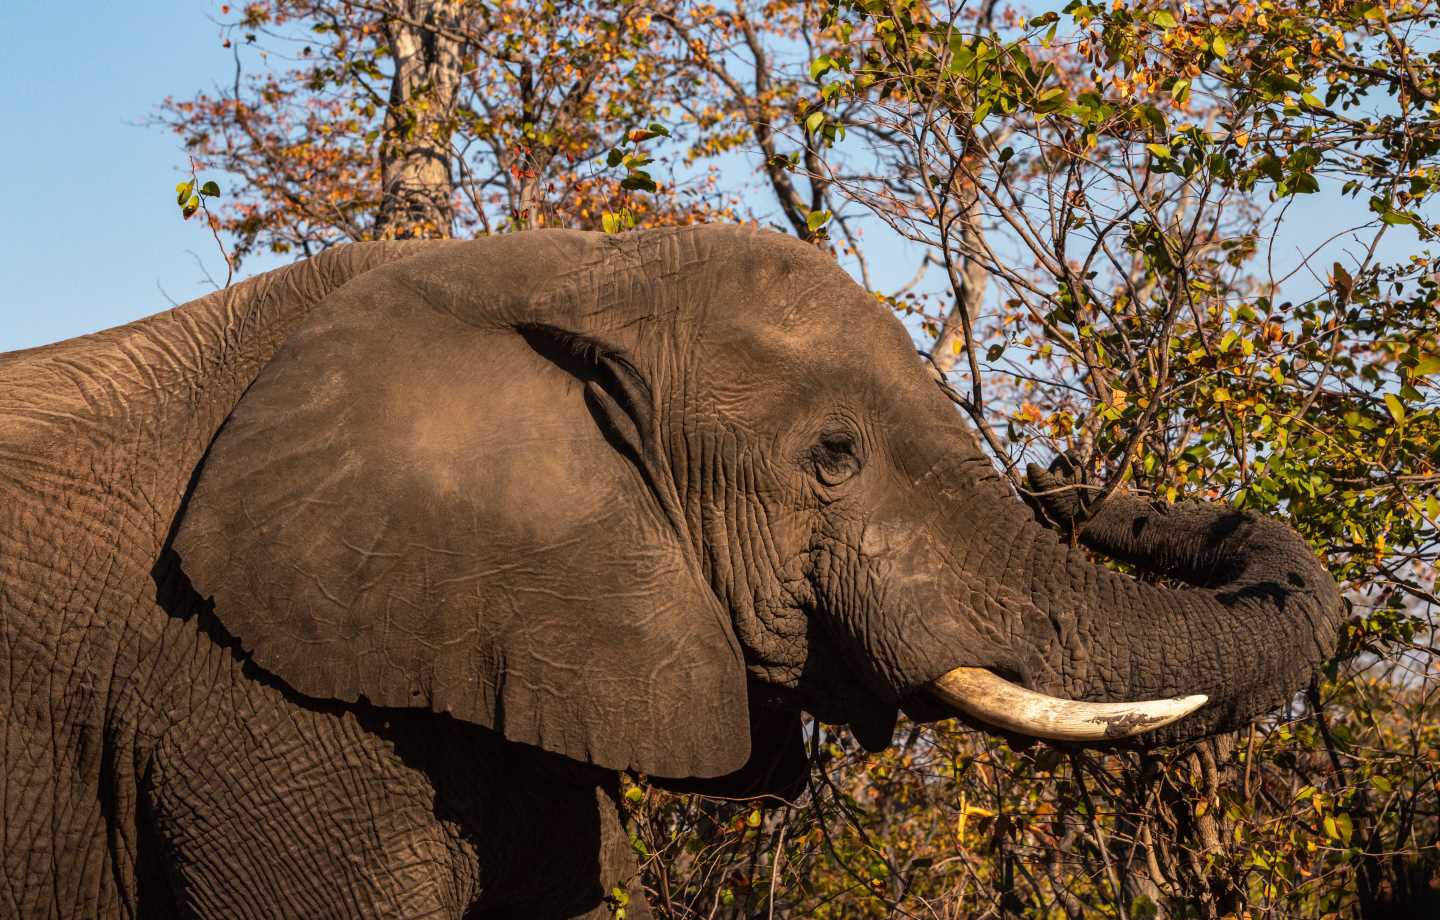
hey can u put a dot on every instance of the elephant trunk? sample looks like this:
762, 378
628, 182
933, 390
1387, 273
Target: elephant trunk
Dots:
1106, 656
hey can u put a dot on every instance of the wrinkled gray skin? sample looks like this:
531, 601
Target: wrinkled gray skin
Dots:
346, 591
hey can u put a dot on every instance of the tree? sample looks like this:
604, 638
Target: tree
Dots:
435, 118
1119, 189
416, 187
1122, 185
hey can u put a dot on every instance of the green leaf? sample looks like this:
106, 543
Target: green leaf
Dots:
1393, 217
1180, 91
1160, 150
1218, 46
1271, 166
1164, 19
1142, 908
614, 157
1344, 825
1397, 408
1051, 100
813, 121
817, 219
1304, 183
638, 181
210, 189
821, 66
1427, 365
658, 129
1155, 117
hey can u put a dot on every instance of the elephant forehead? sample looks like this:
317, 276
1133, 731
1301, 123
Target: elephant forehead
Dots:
793, 363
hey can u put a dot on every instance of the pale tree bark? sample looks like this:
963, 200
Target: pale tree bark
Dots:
968, 279
417, 188
968, 276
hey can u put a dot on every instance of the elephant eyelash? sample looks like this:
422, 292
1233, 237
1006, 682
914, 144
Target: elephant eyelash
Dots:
836, 458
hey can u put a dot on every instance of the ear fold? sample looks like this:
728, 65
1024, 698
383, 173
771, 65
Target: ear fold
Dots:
617, 393
415, 510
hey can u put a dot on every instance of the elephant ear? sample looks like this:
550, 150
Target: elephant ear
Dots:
412, 508
777, 769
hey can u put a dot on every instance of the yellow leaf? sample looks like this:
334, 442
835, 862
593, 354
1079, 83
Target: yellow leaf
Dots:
1397, 409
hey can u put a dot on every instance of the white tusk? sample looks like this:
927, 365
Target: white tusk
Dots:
996, 701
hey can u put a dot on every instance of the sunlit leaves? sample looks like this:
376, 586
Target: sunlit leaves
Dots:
543, 91
1140, 159
191, 195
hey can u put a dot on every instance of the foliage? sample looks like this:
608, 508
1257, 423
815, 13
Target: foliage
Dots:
192, 196
1186, 242
1120, 188
520, 113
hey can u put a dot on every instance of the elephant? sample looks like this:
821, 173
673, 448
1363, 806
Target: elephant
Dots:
355, 588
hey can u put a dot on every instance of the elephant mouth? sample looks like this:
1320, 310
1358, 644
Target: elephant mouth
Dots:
989, 698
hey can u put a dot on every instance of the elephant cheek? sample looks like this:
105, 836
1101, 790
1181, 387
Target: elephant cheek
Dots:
901, 615
908, 560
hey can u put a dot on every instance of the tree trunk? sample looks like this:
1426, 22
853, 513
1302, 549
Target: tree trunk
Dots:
416, 185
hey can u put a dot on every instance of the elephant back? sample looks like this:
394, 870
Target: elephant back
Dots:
100, 434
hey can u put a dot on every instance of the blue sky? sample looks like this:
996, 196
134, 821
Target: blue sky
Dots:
92, 237
90, 231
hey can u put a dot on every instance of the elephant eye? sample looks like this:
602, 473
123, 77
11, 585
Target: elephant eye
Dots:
836, 458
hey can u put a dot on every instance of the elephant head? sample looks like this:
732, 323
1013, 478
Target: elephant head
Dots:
626, 498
